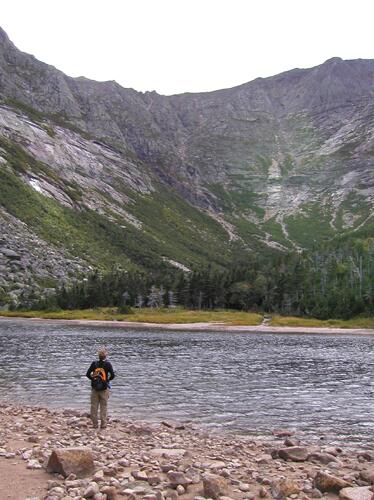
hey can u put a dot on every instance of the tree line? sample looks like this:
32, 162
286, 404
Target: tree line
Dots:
334, 282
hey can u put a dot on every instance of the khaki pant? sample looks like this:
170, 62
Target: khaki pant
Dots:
99, 398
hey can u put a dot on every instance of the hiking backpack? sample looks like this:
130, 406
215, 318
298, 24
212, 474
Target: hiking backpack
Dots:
99, 378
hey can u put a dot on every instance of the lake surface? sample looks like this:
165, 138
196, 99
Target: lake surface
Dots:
321, 385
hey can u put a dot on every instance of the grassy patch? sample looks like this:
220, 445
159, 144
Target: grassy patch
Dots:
148, 315
310, 226
275, 229
329, 323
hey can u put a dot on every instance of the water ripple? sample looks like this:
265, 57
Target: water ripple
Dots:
321, 385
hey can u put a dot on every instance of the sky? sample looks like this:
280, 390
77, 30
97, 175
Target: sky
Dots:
175, 46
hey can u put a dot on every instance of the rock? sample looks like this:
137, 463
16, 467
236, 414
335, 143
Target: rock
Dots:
33, 464
193, 475
366, 455
332, 450
65, 461
213, 464
214, 486
262, 492
180, 489
57, 490
175, 453
313, 493
154, 480
176, 478
367, 476
323, 458
110, 492
167, 467
26, 455
289, 441
10, 254
280, 433
294, 453
283, 488
91, 490
356, 493
171, 495
139, 475
328, 483
98, 476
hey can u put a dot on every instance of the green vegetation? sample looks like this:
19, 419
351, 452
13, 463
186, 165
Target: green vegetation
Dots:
310, 226
173, 228
356, 322
147, 315
184, 316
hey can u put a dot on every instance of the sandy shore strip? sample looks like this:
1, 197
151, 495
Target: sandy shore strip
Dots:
196, 327
166, 461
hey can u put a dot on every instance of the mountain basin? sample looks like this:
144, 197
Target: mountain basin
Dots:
319, 385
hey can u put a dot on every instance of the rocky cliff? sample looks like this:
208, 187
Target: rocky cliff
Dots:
104, 175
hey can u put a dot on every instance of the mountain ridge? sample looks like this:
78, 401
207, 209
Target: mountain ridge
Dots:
279, 163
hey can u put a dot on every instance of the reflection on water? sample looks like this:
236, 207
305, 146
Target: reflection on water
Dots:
321, 385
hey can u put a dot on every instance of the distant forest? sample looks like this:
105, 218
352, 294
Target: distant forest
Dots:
335, 282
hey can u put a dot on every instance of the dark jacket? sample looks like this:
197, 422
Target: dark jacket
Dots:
101, 364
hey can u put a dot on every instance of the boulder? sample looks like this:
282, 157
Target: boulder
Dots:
65, 461
215, 486
328, 483
367, 476
357, 493
294, 453
283, 488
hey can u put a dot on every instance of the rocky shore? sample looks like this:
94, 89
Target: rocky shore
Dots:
52, 455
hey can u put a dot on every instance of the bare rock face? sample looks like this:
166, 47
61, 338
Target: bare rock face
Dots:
329, 483
66, 461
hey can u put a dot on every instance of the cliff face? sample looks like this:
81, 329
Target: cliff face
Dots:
284, 162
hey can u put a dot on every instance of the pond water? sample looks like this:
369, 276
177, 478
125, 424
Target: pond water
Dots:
321, 385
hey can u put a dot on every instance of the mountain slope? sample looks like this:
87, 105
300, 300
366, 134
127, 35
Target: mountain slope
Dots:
280, 163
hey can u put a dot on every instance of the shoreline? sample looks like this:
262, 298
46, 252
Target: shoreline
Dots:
167, 460
195, 327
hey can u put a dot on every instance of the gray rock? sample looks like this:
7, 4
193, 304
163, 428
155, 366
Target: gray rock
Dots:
294, 453
176, 478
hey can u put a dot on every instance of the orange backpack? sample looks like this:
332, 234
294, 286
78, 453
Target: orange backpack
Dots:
99, 378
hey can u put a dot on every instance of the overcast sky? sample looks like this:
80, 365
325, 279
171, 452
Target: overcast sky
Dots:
175, 46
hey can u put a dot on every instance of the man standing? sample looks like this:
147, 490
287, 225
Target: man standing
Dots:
100, 373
